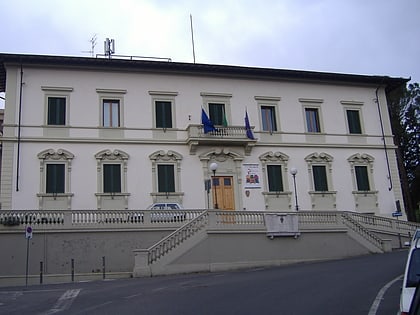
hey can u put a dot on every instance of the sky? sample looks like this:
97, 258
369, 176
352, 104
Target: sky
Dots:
370, 37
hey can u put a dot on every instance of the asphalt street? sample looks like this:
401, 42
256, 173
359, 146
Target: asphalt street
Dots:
341, 287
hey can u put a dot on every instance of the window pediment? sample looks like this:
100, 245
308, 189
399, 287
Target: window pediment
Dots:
273, 157
111, 155
161, 155
361, 158
55, 155
319, 158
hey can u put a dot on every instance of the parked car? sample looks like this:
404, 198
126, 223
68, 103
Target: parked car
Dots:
411, 277
173, 212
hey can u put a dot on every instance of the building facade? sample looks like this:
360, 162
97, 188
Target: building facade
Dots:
92, 133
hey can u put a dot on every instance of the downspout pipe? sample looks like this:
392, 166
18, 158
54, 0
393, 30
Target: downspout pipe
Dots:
383, 139
19, 129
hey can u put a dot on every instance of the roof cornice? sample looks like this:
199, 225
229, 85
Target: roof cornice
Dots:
193, 69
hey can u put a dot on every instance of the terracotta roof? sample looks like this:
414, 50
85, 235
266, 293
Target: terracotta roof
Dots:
194, 69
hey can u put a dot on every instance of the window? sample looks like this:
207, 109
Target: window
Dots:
111, 113
312, 120
55, 179
166, 179
112, 178
55, 173
320, 169
56, 111
163, 114
320, 178
268, 118
166, 175
217, 114
275, 180
362, 178
353, 120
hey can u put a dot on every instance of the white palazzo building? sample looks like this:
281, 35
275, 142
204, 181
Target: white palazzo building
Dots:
93, 133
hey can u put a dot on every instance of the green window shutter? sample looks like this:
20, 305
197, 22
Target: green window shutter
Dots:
362, 178
55, 183
320, 178
217, 113
163, 114
275, 180
56, 111
112, 178
353, 119
166, 178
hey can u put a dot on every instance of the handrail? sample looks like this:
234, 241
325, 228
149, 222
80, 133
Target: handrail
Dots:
177, 237
361, 230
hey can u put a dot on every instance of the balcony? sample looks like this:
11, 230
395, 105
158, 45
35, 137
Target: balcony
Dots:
224, 136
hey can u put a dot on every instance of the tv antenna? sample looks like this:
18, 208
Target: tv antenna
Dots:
93, 44
109, 47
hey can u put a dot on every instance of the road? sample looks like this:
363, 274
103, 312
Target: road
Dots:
341, 287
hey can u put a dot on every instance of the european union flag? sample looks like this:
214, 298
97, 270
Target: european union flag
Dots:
207, 124
249, 133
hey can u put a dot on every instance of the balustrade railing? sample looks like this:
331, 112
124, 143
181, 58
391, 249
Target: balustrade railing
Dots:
176, 238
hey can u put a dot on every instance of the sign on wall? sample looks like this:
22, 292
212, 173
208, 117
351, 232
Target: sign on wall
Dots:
252, 175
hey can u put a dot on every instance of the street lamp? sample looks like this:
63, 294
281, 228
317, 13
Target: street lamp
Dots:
213, 168
294, 171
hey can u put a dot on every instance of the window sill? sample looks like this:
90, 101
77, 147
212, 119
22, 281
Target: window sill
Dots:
117, 194
54, 195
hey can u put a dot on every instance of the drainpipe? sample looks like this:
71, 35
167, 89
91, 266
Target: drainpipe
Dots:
19, 128
383, 139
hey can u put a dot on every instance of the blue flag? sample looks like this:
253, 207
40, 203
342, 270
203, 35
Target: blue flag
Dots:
249, 133
207, 124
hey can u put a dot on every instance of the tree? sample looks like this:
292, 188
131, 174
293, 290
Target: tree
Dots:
404, 109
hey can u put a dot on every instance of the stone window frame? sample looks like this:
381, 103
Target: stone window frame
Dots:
57, 91
271, 101
164, 96
275, 158
320, 159
51, 156
166, 157
355, 106
362, 159
218, 98
108, 156
312, 103
111, 94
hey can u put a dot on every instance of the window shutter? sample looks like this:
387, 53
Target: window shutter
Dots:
275, 180
112, 178
353, 119
55, 178
216, 112
166, 179
362, 178
163, 114
320, 178
56, 111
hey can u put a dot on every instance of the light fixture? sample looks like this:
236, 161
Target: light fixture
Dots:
294, 171
213, 168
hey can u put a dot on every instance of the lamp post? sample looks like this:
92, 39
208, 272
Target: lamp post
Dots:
294, 171
213, 168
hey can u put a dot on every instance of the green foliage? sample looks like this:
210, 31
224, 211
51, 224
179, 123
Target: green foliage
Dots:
404, 109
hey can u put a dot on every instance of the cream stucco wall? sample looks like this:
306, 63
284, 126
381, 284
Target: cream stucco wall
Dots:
84, 139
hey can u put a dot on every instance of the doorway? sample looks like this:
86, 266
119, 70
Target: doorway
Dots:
223, 192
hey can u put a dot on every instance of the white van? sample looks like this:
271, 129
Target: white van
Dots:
411, 277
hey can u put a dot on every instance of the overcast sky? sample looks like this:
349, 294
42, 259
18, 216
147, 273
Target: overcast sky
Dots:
374, 37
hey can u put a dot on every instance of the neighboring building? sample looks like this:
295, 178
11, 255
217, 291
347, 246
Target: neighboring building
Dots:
91, 133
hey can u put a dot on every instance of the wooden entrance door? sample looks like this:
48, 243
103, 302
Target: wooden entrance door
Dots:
223, 187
